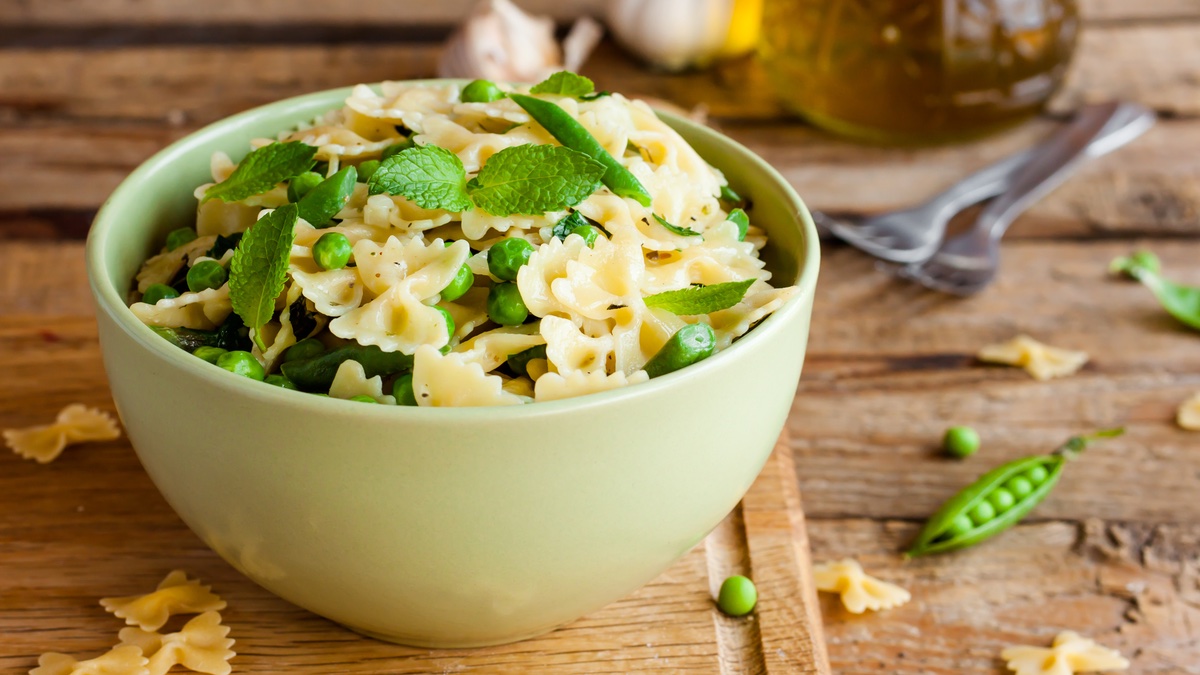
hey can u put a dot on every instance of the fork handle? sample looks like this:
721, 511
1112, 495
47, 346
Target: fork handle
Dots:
1096, 130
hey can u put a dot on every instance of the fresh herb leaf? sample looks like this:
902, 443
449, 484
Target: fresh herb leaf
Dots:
223, 245
330, 196
534, 179
259, 268
431, 177
728, 195
1181, 302
593, 97
262, 170
701, 299
564, 83
738, 217
567, 223
681, 231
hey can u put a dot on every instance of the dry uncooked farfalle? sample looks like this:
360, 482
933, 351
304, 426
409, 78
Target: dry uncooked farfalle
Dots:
175, 595
121, 660
1071, 653
1188, 416
499, 42
859, 590
1041, 361
201, 646
76, 423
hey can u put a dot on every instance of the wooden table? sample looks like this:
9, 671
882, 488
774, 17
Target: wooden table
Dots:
90, 89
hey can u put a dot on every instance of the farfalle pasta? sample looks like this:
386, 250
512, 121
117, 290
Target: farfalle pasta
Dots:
425, 248
176, 594
859, 591
1071, 653
202, 646
76, 423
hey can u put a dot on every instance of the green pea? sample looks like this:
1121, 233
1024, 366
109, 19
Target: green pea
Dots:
518, 362
367, 169
281, 381
960, 442
481, 91
1037, 474
737, 596
242, 363
450, 327
210, 354
402, 389
982, 512
363, 398
204, 275
459, 285
691, 344
396, 148
505, 306
1019, 486
332, 251
156, 292
302, 185
590, 234
305, 349
507, 256
738, 217
180, 237
959, 526
1001, 500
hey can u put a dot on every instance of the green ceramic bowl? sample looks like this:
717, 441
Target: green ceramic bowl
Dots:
444, 527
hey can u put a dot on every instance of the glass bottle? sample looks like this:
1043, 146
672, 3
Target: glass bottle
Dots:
917, 71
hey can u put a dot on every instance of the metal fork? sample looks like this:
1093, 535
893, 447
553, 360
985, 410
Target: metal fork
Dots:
966, 263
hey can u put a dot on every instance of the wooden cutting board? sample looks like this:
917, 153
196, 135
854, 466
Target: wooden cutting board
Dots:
92, 525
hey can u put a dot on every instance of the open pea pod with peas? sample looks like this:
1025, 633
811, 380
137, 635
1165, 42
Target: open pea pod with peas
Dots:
999, 499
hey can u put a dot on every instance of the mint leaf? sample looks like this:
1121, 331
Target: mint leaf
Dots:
681, 231
701, 299
259, 267
564, 83
567, 223
429, 176
262, 170
534, 179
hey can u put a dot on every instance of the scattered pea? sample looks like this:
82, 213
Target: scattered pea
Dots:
1019, 486
459, 285
481, 91
1037, 475
305, 349
402, 389
363, 398
281, 381
507, 256
242, 363
156, 292
589, 233
983, 512
302, 185
210, 354
960, 442
450, 327
396, 148
1001, 500
737, 596
205, 275
505, 305
180, 237
367, 169
332, 251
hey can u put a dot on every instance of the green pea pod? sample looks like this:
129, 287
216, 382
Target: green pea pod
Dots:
330, 196
316, 374
568, 131
939, 535
691, 344
187, 339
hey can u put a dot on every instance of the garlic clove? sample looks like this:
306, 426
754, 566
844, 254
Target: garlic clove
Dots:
672, 34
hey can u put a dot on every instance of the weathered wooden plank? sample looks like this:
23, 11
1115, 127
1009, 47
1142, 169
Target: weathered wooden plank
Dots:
1022, 588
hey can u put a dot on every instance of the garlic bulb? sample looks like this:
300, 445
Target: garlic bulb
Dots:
499, 42
677, 34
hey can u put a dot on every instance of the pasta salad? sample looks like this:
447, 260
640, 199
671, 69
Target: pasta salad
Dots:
448, 245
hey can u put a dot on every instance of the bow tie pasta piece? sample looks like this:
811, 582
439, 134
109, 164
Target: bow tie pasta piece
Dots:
552, 386
175, 595
351, 380
335, 141
121, 660
384, 213
472, 148
76, 423
407, 104
859, 590
1188, 416
162, 268
729, 324
201, 646
491, 349
203, 311
422, 270
395, 322
1070, 653
639, 332
570, 350
720, 258
333, 292
1041, 361
450, 380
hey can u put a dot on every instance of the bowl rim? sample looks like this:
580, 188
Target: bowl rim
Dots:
110, 300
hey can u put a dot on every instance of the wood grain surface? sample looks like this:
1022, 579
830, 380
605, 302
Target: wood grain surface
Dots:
88, 89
